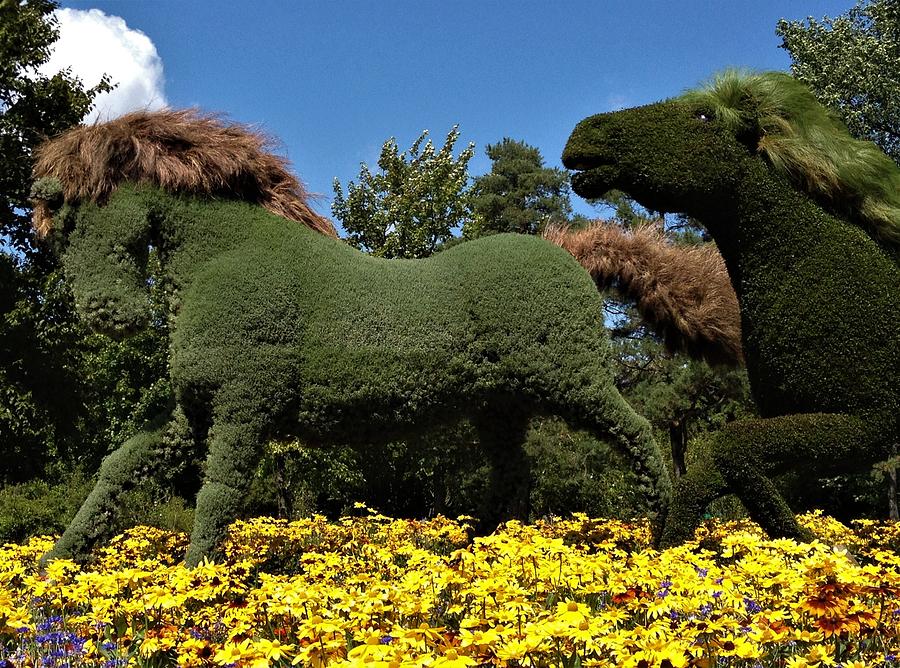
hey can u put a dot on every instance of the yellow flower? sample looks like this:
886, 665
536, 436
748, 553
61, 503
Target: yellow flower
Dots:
513, 650
411, 594
452, 659
478, 638
233, 653
796, 661
272, 649
193, 652
819, 654
420, 637
672, 656
159, 597
739, 647
571, 612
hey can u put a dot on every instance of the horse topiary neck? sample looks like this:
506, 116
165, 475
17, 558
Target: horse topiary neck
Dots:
108, 249
767, 227
799, 269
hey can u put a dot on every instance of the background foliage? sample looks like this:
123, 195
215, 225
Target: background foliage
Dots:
67, 396
412, 203
852, 63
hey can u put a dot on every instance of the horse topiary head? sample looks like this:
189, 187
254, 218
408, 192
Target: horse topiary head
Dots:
687, 154
177, 152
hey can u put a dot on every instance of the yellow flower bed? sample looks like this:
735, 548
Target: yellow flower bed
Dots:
383, 593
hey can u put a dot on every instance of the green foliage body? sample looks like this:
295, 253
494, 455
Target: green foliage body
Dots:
519, 194
852, 63
280, 332
445, 471
819, 291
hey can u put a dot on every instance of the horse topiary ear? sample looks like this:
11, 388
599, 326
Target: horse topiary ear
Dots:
48, 188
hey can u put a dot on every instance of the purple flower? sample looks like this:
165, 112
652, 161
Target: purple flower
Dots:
49, 623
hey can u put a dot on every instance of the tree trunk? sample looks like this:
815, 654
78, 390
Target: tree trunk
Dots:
678, 437
283, 495
893, 512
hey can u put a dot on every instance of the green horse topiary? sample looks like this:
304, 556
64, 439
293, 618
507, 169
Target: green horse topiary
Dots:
280, 329
808, 222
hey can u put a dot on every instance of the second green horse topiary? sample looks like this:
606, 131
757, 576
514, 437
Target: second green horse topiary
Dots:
808, 222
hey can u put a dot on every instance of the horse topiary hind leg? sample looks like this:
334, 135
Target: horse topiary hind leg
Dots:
139, 457
748, 452
599, 408
234, 450
696, 489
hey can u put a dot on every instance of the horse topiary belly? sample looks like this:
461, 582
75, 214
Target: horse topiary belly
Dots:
388, 341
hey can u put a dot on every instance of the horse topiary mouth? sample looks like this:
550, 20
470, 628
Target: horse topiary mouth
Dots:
595, 182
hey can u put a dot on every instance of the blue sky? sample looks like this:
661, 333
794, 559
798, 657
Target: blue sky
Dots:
333, 80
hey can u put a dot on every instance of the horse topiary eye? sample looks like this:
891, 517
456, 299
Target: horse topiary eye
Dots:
704, 116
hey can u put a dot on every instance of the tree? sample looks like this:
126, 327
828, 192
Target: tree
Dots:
412, 205
38, 402
519, 194
852, 63
64, 393
685, 397
33, 107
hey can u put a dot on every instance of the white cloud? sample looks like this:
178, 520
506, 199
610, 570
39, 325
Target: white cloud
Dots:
92, 44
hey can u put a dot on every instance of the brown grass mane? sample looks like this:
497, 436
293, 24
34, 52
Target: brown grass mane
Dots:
683, 292
185, 152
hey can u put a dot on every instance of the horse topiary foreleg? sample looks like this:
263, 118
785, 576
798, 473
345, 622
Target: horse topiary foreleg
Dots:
748, 452
635, 435
137, 458
235, 446
600, 409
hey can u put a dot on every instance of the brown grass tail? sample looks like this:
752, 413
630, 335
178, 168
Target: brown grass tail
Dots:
682, 292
